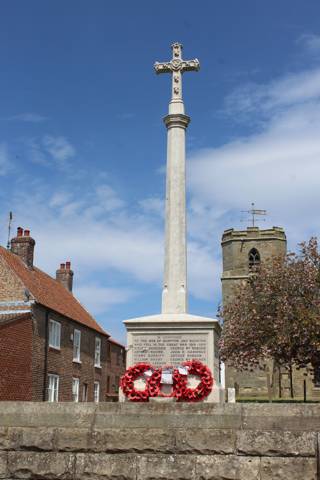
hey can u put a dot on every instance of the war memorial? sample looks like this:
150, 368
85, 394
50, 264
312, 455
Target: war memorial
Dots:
175, 336
167, 439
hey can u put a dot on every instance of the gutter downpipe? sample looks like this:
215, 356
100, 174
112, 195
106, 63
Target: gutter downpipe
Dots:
45, 370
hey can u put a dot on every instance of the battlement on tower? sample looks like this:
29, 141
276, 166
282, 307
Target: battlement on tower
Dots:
253, 234
241, 247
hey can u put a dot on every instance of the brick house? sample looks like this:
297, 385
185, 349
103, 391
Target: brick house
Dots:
51, 348
116, 366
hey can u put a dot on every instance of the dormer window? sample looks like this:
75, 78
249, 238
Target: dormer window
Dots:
254, 258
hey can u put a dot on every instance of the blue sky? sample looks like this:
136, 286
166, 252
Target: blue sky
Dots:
83, 147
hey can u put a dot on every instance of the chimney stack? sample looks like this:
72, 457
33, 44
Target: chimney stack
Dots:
64, 275
23, 246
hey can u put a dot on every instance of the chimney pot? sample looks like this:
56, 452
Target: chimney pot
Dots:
27, 233
68, 265
62, 266
19, 232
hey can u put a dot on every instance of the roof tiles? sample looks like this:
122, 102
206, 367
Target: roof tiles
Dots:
50, 293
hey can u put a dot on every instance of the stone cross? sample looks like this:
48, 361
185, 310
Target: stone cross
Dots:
174, 293
177, 66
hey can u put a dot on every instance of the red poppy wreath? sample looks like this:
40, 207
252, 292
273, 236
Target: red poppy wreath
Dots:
205, 385
180, 389
128, 379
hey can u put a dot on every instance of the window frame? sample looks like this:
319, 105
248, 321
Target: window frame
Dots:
85, 392
254, 258
316, 375
117, 384
96, 343
75, 389
76, 348
53, 393
96, 392
54, 334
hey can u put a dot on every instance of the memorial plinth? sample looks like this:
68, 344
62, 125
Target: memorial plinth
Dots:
174, 336
171, 339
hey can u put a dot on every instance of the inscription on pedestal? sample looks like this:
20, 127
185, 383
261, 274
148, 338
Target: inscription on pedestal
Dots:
169, 348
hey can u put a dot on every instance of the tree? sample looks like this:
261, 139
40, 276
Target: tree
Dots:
276, 314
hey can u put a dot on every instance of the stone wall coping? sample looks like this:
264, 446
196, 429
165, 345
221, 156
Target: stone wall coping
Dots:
299, 417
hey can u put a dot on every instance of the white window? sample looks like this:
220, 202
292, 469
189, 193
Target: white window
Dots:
53, 388
75, 389
97, 353
96, 392
76, 345
54, 334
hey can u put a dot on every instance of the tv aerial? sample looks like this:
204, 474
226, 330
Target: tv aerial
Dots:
9, 229
254, 213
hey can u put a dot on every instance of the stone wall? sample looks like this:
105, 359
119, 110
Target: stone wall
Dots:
159, 441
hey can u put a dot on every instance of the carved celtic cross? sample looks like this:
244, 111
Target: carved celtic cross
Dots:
177, 66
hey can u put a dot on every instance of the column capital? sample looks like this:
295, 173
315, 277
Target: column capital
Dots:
176, 120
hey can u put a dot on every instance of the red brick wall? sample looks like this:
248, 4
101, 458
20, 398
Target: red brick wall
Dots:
15, 360
60, 362
116, 366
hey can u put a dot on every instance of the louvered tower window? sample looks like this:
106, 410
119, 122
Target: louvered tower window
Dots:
254, 258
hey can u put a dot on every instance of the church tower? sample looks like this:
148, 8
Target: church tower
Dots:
241, 250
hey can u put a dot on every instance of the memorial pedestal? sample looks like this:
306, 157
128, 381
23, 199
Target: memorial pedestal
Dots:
170, 339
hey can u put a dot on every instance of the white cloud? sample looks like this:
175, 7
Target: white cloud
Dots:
278, 168
59, 199
153, 205
36, 153
101, 246
99, 299
28, 117
310, 42
118, 240
203, 271
108, 199
292, 89
50, 150
59, 148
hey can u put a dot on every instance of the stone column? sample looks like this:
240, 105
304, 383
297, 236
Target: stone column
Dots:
174, 295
